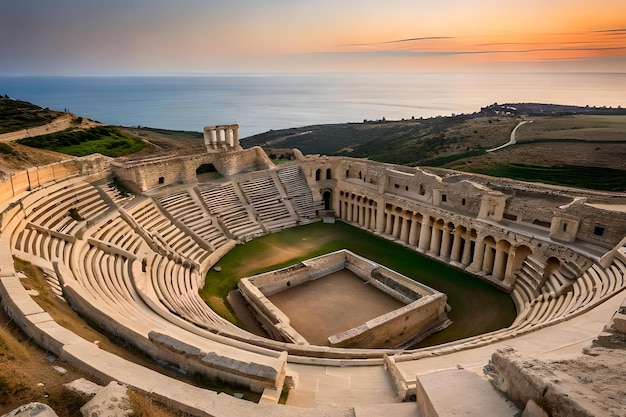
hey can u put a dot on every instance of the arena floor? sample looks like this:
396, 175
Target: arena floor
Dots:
332, 304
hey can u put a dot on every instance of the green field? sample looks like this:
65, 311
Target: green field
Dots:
477, 307
106, 140
606, 179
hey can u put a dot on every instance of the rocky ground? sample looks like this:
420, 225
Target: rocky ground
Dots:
602, 370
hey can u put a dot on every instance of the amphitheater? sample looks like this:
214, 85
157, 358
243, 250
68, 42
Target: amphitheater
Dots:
133, 266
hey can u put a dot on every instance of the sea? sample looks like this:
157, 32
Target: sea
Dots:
262, 102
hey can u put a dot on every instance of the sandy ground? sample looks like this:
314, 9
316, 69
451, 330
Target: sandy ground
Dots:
332, 304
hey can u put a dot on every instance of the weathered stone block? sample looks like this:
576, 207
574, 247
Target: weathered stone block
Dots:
32, 409
110, 401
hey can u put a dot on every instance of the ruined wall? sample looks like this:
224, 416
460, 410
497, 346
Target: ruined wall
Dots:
525, 379
409, 323
145, 175
32, 178
424, 313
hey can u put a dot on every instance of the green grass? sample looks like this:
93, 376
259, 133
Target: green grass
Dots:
119, 185
175, 133
437, 162
106, 140
466, 295
6, 149
606, 179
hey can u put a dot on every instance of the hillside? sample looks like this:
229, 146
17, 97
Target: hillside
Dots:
566, 145
17, 115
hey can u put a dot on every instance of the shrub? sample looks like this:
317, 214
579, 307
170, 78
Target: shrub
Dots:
75, 215
6, 149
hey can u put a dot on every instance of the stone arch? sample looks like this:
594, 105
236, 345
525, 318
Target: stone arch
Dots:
327, 195
489, 254
318, 174
329, 174
206, 171
501, 258
521, 253
551, 266
206, 168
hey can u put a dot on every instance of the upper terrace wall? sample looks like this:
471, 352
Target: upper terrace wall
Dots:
559, 212
23, 181
148, 174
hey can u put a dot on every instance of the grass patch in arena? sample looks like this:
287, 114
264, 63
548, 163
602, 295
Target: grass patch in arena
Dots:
106, 140
466, 294
595, 178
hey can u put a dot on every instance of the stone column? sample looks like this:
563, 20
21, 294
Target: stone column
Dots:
221, 137
380, 216
349, 212
509, 276
368, 218
355, 212
230, 138
479, 254
396, 226
213, 138
445, 243
236, 134
424, 242
362, 215
467, 250
414, 232
404, 233
389, 224
455, 256
435, 241
488, 259
499, 264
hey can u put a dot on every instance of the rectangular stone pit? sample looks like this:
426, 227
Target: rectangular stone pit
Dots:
344, 300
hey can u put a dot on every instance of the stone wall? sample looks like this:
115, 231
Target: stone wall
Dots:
525, 379
21, 182
475, 196
425, 312
146, 175
410, 323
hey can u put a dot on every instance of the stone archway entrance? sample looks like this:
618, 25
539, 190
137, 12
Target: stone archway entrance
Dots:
328, 199
207, 172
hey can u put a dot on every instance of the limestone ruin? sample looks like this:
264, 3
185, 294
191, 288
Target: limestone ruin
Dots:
133, 265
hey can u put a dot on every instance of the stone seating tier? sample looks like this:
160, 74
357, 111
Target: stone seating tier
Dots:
223, 202
163, 231
270, 206
103, 284
298, 191
115, 231
52, 210
177, 290
43, 245
183, 207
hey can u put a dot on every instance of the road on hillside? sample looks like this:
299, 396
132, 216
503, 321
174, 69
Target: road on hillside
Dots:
512, 138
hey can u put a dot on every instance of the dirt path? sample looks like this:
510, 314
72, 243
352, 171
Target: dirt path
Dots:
512, 140
61, 123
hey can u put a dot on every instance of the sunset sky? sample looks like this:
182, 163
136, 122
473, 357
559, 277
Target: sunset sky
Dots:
207, 36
